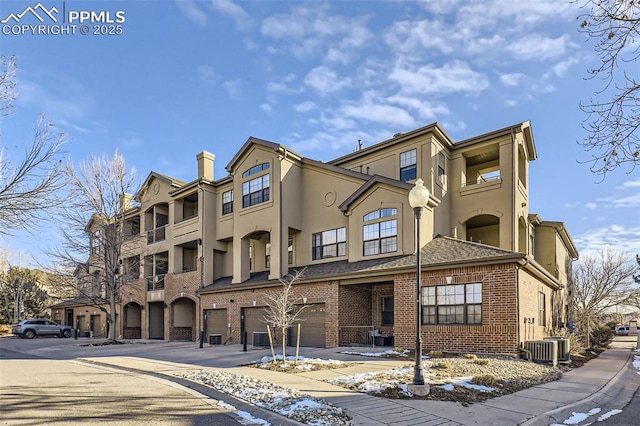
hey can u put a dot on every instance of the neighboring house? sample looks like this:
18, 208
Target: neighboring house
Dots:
493, 274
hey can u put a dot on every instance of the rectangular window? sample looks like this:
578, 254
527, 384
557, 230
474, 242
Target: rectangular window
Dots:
331, 243
387, 311
542, 311
441, 169
408, 165
381, 237
290, 251
452, 304
255, 191
227, 202
267, 257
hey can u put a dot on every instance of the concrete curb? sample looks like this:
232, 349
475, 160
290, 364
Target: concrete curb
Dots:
606, 393
206, 392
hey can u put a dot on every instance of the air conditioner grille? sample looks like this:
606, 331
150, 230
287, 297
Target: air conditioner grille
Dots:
543, 350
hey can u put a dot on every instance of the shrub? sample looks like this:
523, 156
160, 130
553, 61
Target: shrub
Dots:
485, 380
435, 354
443, 365
482, 361
601, 336
470, 356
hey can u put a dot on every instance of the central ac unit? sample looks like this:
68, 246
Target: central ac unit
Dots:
543, 350
564, 348
260, 339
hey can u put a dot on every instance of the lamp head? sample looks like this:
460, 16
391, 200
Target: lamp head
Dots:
419, 195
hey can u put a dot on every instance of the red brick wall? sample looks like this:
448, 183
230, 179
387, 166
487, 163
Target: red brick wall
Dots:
355, 305
498, 332
321, 292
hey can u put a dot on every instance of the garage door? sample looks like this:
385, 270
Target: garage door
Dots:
217, 330
312, 328
254, 323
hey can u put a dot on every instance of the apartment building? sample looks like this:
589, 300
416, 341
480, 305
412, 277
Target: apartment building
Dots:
204, 256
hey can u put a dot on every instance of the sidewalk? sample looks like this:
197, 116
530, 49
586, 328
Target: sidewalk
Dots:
606, 381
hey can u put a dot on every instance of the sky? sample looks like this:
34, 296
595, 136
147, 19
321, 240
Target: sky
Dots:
170, 79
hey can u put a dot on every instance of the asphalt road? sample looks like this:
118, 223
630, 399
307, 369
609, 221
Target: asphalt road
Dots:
39, 391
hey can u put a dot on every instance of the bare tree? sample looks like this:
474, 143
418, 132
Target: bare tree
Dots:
282, 311
95, 233
29, 183
614, 111
600, 283
22, 295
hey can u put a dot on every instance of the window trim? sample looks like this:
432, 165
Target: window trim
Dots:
318, 250
256, 169
264, 191
227, 206
542, 309
434, 312
441, 169
410, 155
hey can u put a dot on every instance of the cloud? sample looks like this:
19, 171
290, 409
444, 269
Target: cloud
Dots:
630, 184
625, 239
306, 32
283, 86
425, 109
378, 113
590, 206
191, 10
512, 80
305, 106
207, 75
229, 8
560, 69
234, 87
536, 47
449, 78
326, 80
266, 108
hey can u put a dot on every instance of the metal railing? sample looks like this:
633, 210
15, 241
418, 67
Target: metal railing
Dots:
157, 234
155, 282
480, 180
356, 335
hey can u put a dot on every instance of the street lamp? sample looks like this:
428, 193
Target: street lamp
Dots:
418, 198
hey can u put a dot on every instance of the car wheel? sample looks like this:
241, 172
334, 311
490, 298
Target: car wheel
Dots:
66, 333
29, 334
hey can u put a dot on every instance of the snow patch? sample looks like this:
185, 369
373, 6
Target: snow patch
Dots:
577, 418
608, 414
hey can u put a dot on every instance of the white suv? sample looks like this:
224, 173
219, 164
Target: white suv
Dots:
31, 328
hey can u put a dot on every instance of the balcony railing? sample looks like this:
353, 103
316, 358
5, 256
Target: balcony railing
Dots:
155, 235
480, 180
355, 335
155, 282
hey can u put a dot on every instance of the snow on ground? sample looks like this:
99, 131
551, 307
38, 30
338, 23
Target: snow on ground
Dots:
287, 402
636, 362
465, 382
243, 414
375, 382
388, 352
301, 363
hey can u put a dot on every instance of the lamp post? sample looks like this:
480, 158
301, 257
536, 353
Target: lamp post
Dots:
418, 198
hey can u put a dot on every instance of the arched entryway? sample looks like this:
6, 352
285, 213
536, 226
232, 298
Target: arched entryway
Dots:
484, 228
183, 320
132, 321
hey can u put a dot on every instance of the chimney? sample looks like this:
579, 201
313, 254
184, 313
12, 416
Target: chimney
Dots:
125, 202
205, 165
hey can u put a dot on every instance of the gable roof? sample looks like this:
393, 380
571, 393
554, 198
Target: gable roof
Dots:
257, 141
155, 175
435, 128
373, 180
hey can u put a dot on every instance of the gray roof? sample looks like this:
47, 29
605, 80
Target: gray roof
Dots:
438, 253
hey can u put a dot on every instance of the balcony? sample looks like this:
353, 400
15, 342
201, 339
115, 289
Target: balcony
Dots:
156, 235
155, 282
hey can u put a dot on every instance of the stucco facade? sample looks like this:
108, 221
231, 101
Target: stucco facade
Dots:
218, 248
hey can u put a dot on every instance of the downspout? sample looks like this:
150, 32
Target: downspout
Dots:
526, 262
514, 185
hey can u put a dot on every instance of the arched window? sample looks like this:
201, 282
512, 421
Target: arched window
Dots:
380, 236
